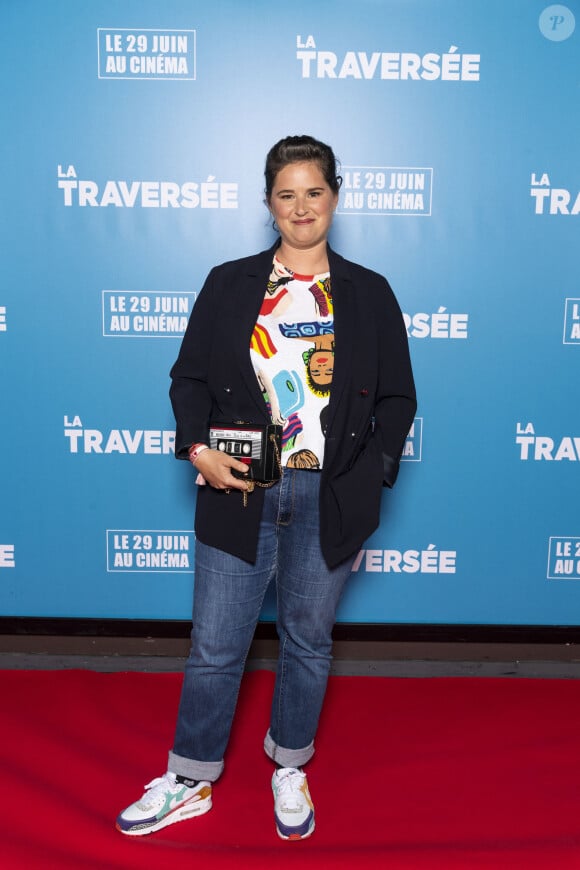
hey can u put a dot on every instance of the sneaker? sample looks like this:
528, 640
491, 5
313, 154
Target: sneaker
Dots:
293, 807
165, 801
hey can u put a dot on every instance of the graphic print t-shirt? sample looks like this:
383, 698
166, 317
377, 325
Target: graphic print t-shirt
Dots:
292, 351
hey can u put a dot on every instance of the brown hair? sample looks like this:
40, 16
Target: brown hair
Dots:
301, 149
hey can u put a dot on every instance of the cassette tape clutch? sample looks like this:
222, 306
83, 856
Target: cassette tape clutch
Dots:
258, 446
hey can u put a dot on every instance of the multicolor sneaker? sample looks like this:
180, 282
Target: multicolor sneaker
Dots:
165, 801
293, 807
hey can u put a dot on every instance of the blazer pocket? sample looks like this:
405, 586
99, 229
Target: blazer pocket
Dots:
357, 493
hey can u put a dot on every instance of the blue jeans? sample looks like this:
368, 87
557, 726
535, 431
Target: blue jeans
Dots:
228, 598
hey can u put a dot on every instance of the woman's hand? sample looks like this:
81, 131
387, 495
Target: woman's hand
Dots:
216, 468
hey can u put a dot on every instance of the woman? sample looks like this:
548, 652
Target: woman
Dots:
299, 336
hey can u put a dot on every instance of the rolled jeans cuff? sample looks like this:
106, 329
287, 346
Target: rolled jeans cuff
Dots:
287, 757
199, 770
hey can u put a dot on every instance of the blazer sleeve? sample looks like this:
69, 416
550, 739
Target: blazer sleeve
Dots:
190, 395
395, 400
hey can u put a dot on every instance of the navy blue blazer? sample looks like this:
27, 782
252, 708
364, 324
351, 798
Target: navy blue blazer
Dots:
372, 401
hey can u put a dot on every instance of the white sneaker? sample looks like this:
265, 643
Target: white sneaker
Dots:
165, 801
293, 807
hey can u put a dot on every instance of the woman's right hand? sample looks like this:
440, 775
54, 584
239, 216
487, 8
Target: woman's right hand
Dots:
216, 468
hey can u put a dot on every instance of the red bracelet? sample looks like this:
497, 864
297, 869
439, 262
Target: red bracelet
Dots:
195, 450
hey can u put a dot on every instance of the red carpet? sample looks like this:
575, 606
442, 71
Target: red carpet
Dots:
409, 773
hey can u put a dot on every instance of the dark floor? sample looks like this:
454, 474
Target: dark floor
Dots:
371, 658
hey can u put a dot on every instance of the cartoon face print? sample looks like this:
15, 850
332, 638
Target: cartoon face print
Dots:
319, 360
319, 363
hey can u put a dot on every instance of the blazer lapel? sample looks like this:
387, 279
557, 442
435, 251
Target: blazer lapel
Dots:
342, 290
251, 291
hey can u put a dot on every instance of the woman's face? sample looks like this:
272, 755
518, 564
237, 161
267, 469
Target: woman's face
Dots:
302, 204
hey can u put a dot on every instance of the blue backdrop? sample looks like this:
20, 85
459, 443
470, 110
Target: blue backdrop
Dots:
134, 140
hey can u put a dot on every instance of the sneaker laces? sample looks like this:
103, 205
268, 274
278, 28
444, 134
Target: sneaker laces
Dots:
288, 787
166, 781
157, 788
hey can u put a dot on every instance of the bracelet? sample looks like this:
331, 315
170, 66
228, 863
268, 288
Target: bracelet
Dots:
195, 450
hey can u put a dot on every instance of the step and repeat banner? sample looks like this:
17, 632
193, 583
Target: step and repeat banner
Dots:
133, 149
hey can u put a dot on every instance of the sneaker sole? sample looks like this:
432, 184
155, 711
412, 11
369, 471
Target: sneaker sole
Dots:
181, 814
294, 837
